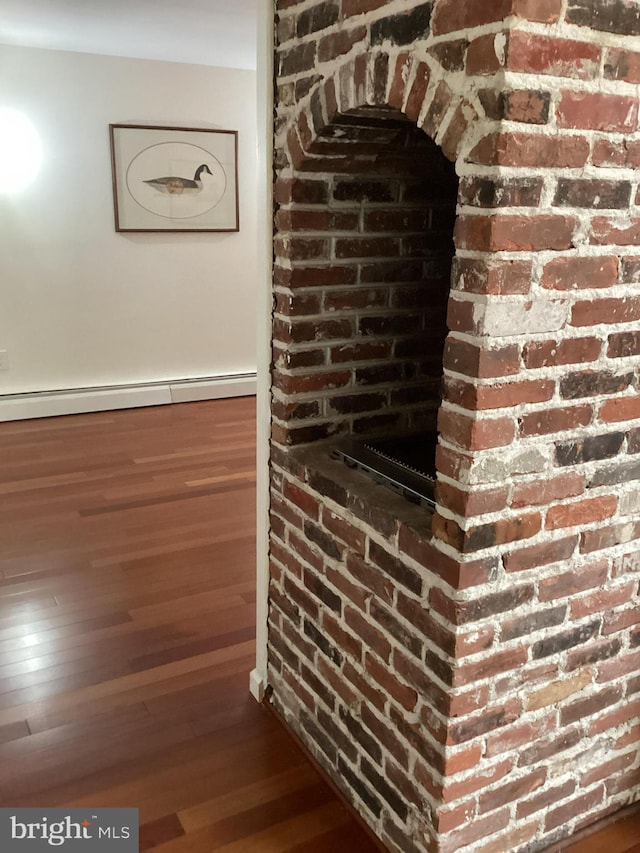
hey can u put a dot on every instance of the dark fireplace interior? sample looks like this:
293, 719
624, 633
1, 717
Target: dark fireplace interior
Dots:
404, 463
387, 231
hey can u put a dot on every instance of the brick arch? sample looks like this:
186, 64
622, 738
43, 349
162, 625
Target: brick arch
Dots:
418, 88
421, 91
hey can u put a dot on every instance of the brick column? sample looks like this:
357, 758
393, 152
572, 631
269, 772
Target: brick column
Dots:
469, 678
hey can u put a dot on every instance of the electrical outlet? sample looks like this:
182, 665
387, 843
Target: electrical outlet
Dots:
4, 359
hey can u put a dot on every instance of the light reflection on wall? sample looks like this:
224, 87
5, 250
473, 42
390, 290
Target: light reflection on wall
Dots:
21, 152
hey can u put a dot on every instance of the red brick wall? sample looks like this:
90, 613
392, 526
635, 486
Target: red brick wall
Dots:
368, 285
471, 680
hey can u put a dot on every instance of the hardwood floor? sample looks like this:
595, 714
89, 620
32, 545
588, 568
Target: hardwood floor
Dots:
127, 600
127, 611
619, 834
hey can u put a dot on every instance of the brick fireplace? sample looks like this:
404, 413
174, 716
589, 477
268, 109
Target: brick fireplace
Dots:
457, 258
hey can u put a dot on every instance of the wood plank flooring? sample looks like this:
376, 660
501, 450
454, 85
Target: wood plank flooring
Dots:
127, 619
127, 599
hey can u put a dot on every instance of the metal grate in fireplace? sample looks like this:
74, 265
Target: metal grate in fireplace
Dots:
406, 465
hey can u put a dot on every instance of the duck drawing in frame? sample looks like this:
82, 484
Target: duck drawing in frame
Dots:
180, 186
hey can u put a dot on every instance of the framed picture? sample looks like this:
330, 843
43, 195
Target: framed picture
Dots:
174, 178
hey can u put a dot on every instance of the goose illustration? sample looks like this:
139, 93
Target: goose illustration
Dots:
179, 186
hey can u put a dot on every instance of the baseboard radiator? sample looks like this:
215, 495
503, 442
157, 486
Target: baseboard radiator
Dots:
44, 404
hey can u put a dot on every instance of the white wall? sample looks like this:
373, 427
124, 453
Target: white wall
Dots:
81, 305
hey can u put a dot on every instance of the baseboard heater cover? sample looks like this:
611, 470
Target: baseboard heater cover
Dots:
42, 404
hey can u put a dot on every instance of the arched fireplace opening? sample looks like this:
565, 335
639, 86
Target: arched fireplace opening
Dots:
364, 251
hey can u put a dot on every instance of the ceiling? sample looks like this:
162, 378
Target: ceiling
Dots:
204, 32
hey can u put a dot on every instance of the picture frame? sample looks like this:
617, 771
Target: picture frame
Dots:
179, 179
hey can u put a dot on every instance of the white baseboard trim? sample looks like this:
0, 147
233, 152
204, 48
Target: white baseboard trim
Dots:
46, 404
244, 385
257, 685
